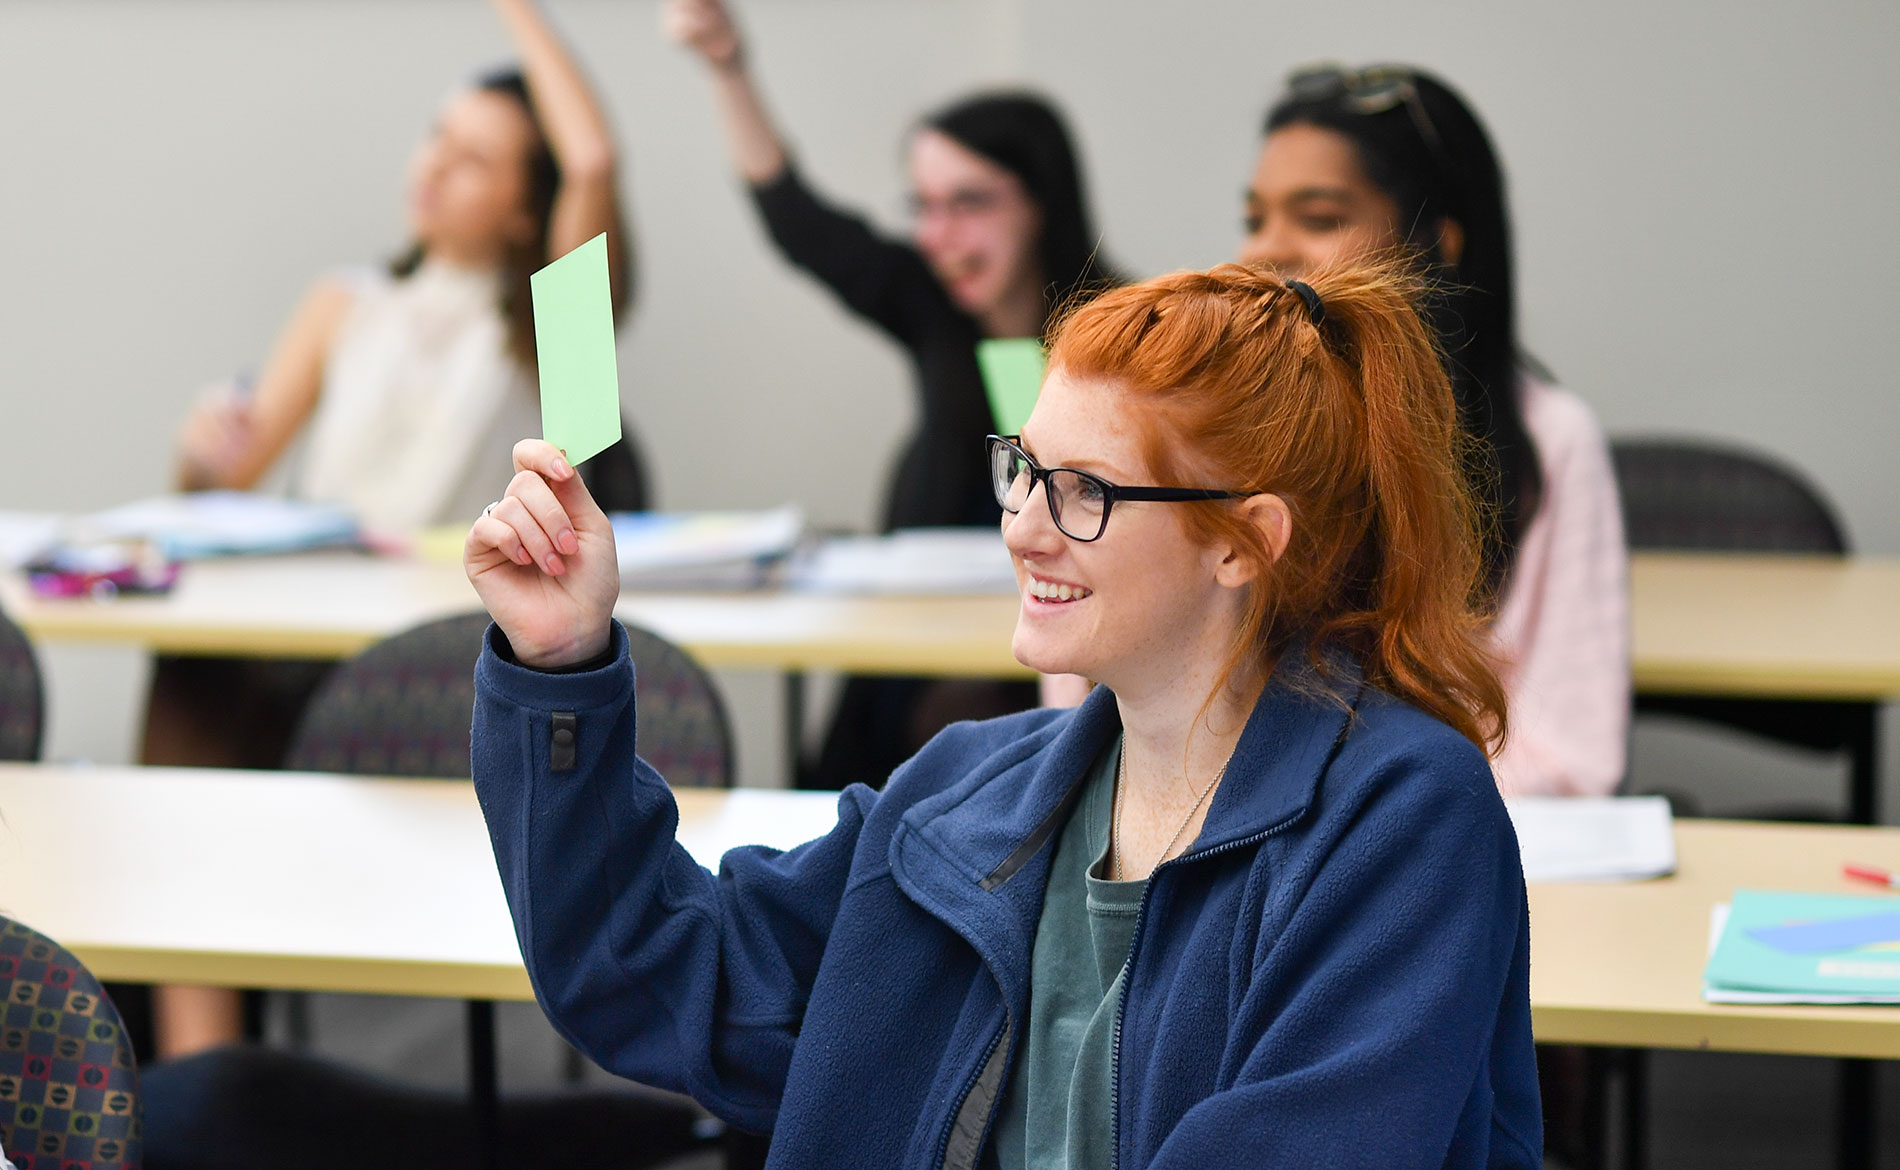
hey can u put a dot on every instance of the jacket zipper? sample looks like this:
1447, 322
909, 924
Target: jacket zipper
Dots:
1121, 1008
969, 1084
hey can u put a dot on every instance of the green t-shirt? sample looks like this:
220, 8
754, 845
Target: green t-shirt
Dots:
1058, 1111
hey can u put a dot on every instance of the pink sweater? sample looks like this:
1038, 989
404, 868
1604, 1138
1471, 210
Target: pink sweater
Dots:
1562, 630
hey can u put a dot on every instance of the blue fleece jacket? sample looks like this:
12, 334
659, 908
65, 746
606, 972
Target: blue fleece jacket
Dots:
1335, 974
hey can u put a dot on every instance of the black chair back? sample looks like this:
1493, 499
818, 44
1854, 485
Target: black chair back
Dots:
22, 695
1683, 495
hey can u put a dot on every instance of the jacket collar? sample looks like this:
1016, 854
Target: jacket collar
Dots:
977, 854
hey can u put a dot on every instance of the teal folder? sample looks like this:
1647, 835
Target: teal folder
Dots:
1746, 959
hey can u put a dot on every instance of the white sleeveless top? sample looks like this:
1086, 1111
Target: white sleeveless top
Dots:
421, 404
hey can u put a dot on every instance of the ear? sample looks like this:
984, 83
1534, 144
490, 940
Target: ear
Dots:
1268, 514
1451, 241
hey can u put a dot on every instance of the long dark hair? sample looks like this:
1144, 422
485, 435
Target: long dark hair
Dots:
1474, 302
544, 182
1022, 133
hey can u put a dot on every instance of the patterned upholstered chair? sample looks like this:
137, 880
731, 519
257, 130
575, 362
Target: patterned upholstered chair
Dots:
69, 1095
402, 708
22, 701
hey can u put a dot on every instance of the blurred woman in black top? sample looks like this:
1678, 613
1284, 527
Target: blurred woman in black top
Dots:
1002, 238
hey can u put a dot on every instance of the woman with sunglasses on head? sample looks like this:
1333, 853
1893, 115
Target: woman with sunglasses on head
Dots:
1002, 237
1256, 901
1391, 159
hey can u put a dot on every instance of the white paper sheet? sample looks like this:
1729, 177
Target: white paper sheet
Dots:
25, 535
206, 524
1594, 838
910, 561
713, 550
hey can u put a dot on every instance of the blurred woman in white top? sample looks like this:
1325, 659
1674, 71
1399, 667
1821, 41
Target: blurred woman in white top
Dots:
412, 383
414, 380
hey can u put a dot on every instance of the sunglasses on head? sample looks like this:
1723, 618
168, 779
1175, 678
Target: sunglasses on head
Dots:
1374, 89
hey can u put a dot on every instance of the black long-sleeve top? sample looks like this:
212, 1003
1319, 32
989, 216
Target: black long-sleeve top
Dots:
940, 476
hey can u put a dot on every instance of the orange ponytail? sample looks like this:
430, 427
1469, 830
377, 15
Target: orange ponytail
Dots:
1348, 416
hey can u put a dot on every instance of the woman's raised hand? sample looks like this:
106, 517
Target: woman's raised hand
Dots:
705, 27
542, 561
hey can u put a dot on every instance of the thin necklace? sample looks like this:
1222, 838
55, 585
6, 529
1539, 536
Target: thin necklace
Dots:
1121, 783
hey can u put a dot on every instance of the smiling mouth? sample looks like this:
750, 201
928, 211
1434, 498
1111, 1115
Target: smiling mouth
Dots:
1050, 591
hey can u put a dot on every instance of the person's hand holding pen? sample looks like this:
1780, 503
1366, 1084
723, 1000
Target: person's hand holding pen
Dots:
216, 436
542, 560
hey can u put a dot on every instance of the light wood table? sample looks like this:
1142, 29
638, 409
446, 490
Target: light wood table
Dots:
1769, 627
292, 881
335, 883
1819, 637
333, 605
1781, 627
1621, 964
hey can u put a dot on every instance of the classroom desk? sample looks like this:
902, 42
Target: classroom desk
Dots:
336, 883
1779, 627
292, 881
1621, 964
332, 605
1768, 627
1797, 630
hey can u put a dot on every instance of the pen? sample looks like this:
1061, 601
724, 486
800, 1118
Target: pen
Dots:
1868, 873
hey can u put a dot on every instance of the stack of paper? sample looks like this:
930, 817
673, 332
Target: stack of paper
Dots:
1773, 947
26, 535
703, 550
1593, 838
910, 561
209, 524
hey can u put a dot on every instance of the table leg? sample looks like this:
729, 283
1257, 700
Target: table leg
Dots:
794, 728
484, 1096
1635, 1109
1863, 786
1855, 1139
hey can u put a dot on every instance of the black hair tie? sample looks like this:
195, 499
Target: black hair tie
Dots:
1315, 308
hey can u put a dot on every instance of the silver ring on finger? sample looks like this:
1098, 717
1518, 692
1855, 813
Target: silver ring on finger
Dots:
490, 509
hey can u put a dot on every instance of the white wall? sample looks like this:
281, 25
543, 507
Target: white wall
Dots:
1704, 197
1704, 192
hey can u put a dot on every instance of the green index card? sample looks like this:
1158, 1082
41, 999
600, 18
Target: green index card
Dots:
574, 347
1012, 377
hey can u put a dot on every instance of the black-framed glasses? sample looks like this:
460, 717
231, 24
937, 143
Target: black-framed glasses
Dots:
1079, 502
1371, 90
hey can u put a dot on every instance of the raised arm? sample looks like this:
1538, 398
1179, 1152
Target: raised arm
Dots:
583, 146
652, 966
706, 27
232, 438
883, 280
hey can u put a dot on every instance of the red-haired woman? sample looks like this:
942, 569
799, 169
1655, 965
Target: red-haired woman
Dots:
1256, 901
